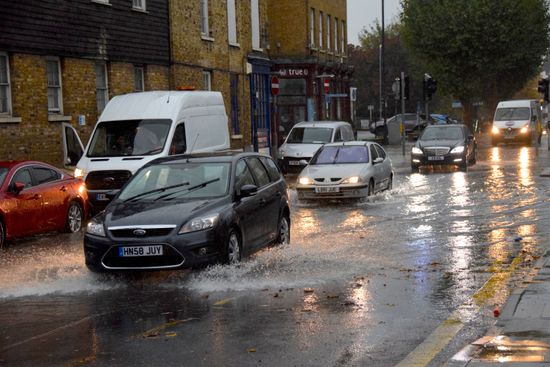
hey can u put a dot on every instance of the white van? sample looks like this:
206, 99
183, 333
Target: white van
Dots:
517, 121
136, 128
305, 138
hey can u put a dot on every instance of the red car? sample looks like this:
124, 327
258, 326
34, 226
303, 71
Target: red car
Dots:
36, 197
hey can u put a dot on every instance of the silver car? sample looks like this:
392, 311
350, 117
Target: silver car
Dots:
346, 170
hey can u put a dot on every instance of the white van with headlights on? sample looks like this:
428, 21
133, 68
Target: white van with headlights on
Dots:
517, 121
305, 138
136, 128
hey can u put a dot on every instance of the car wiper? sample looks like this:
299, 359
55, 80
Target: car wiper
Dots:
189, 189
161, 189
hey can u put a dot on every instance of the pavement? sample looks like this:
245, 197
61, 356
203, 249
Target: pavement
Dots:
523, 337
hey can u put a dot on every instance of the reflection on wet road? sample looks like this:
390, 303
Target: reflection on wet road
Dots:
362, 283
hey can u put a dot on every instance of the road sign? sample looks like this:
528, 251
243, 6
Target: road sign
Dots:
326, 84
274, 85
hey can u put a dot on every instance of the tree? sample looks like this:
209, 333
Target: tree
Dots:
478, 50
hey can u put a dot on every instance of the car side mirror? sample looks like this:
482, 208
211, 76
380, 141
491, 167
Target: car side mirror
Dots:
18, 187
470, 137
248, 190
303, 162
378, 160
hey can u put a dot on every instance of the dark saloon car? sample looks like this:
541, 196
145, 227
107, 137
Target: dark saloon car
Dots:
36, 198
444, 144
186, 211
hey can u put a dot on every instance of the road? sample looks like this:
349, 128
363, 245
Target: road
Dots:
410, 275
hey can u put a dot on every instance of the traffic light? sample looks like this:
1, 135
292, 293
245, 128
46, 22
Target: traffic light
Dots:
544, 89
429, 87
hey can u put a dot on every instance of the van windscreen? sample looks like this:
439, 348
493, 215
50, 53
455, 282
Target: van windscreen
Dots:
513, 113
129, 138
310, 135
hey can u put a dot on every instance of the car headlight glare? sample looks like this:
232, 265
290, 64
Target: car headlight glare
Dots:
524, 130
199, 224
305, 181
495, 130
95, 228
416, 150
78, 173
352, 180
458, 150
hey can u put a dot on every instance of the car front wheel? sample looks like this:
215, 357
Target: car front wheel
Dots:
370, 191
233, 248
74, 218
283, 237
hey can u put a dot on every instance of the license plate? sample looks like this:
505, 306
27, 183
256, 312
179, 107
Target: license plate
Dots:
101, 197
134, 251
323, 190
294, 163
436, 158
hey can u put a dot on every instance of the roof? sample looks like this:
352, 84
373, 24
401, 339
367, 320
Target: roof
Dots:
321, 123
347, 143
444, 126
517, 103
225, 156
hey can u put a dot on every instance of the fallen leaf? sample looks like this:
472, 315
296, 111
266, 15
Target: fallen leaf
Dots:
251, 350
170, 334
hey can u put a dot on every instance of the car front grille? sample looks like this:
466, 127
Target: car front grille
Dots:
138, 232
437, 150
107, 180
332, 179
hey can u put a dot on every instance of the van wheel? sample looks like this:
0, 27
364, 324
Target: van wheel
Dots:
74, 218
415, 168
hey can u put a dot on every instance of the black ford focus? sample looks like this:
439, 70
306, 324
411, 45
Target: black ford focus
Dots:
186, 211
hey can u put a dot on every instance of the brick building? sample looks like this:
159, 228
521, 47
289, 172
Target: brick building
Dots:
308, 41
61, 61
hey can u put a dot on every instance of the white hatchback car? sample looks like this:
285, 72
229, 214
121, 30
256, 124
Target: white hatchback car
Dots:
353, 169
306, 137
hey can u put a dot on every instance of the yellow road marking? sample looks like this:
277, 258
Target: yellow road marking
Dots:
423, 354
156, 331
224, 301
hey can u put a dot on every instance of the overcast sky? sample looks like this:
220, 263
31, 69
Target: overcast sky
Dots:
363, 13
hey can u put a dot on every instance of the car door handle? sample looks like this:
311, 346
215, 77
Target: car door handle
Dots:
63, 188
262, 202
37, 196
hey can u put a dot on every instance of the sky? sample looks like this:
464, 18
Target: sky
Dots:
363, 13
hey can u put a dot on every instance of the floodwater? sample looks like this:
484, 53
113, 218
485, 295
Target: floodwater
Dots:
362, 283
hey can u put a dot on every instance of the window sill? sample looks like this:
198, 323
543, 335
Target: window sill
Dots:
140, 10
236, 137
10, 120
257, 49
236, 45
59, 118
207, 38
102, 2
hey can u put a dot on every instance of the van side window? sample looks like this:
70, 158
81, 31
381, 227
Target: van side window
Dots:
178, 145
338, 135
259, 172
272, 170
347, 133
242, 176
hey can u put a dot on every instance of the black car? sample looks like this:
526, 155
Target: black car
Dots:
444, 144
185, 211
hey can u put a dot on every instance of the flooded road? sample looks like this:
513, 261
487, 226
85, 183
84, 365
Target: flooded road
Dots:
360, 284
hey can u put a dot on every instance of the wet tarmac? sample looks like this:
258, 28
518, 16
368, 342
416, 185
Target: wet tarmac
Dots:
362, 283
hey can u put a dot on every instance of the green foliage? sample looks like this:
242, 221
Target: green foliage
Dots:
477, 49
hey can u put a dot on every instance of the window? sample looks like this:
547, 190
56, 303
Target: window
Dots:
312, 27
205, 31
380, 151
234, 90
242, 176
231, 23
336, 35
343, 37
320, 30
138, 79
328, 32
102, 93
178, 145
259, 171
255, 18
207, 80
43, 175
23, 176
138, 4
54, 86
272, 169
373, 153
338, 135
5, 94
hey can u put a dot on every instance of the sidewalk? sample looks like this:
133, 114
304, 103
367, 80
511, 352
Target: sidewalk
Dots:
524, 323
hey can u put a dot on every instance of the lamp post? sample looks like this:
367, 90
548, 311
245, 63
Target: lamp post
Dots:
382, 73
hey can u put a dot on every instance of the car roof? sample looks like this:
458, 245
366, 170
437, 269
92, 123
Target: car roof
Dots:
321, 123
223, 156
444, 126
347, 143
10, 164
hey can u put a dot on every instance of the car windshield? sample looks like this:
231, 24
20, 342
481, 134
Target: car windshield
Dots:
310, 135
3, 173
442, 133
512, 113
171, 181
129, 138
341, 155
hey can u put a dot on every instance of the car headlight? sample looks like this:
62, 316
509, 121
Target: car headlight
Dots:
524, 130
458, 150
416, 150
199, 224
78, 173
495, 130
96, 228
352, 180
305, 181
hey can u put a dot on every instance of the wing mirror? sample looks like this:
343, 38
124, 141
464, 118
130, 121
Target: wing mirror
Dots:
248, 190
303, 162
470, 137
378, 160
18, 187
